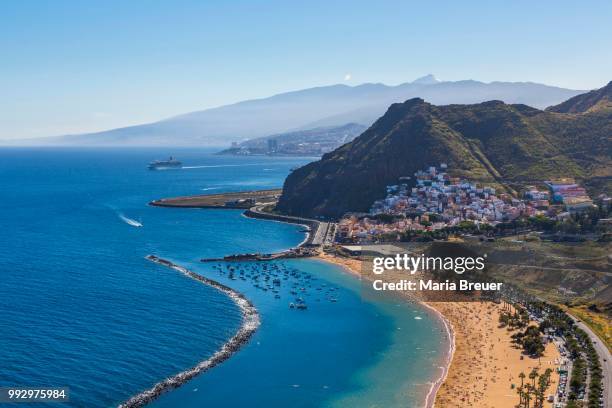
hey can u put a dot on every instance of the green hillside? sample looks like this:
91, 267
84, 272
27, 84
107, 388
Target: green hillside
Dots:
491, 142
590, 101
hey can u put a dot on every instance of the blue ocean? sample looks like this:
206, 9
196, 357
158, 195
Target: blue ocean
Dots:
82, 308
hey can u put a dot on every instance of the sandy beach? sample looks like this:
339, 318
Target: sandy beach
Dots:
485, 364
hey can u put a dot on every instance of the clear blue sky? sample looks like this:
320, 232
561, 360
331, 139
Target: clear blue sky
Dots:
69, 67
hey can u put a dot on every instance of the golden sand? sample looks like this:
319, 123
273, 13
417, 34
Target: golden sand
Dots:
485, 363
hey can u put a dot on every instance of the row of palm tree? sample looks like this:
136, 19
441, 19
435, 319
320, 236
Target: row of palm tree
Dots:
513, 316
532, 392
582, 352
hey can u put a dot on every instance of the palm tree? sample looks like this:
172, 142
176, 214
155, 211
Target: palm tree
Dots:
547, 373
521, 394
532, 376
539, 398
528, 396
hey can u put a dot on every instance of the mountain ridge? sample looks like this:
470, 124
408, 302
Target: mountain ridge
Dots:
597, 99
507, 145
332, 105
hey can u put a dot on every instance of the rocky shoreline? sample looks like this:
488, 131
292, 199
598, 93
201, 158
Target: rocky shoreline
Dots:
250, 323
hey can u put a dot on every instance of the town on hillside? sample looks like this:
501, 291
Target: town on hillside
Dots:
438, 203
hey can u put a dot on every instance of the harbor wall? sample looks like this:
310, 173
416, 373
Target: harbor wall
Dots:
313, 225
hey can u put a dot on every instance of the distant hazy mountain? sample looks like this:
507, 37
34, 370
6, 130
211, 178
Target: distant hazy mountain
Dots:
426, 80
509, 145
300, 142
332, 105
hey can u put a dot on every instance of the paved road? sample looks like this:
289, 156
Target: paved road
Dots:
320, 234
605, 358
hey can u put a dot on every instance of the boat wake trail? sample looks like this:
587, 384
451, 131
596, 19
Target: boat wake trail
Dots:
250, 323
214, 166
130, 221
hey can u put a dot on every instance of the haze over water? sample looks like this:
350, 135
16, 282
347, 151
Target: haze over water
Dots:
82, 308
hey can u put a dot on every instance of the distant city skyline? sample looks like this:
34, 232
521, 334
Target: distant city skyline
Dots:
73, 67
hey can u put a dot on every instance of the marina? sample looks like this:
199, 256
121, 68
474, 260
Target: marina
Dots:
272, 277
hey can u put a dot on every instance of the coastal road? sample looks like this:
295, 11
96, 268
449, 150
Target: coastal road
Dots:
318, 229
605, 359
320, 234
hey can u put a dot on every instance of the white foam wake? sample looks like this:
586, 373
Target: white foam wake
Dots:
213, 166
130, 221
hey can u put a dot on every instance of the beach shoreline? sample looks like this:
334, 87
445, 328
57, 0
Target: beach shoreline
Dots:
482, 364
351, 266
430, 400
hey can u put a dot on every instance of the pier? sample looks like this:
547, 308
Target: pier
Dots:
235, 200
256, 205
299, 252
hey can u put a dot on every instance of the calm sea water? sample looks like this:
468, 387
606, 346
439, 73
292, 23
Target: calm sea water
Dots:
82, 308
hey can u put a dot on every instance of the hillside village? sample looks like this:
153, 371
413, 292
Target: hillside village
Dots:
438, 201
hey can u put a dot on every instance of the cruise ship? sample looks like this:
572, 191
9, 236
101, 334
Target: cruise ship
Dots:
171, 163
